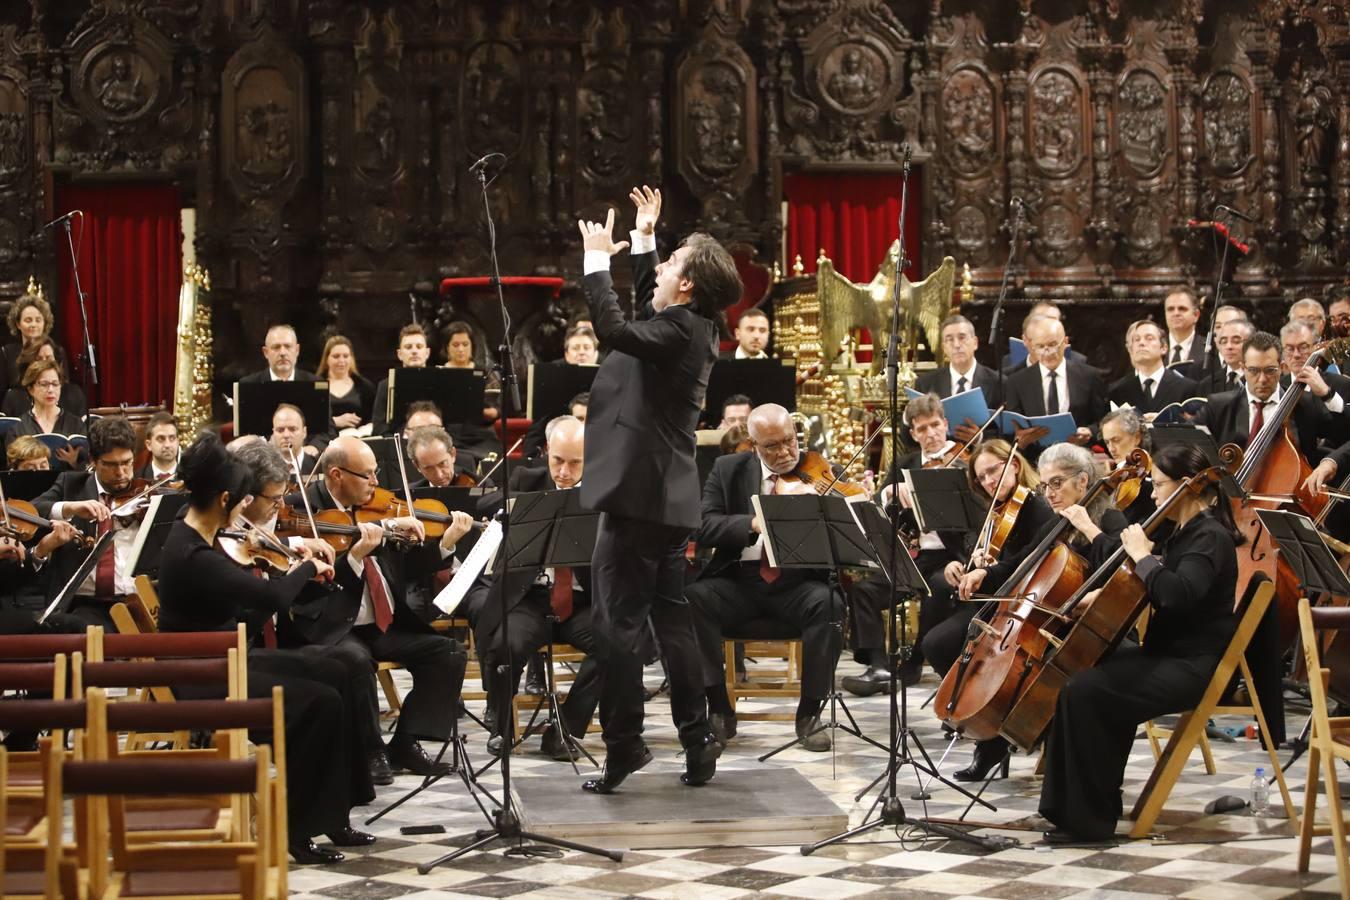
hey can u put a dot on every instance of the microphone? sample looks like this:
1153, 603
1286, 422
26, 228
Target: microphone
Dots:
59, 219
479, 167
1236, 212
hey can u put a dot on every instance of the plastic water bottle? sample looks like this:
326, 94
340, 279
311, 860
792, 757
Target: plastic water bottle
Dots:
1260, 804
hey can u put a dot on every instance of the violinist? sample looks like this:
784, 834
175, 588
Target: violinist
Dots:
22, 593
928, 428
1066, 471
433, 452
161, 439
1190, 581
201, 589
738, 585
289, 435
372, 617
1123, 433
91, 496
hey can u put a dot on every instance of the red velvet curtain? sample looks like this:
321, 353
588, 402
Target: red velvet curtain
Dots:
129, 244
853, 217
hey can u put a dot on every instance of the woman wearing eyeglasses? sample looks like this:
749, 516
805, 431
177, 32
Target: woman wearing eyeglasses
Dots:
43, 380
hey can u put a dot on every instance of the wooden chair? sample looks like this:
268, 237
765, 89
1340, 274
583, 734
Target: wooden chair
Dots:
764, 637
185, 870
1328, 742
25, 774
1191, 726
37, 864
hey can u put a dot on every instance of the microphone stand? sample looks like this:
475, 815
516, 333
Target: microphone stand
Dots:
506, 823
892, 810
996, 321
88, 364
1210, 351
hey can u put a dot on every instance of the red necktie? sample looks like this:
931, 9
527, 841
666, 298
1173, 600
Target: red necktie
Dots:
104, 582
560, 598
379, 598
1257, 421
767, 572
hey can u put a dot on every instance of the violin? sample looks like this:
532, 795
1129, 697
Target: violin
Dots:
22, 522
1005, 519
334, 527
238, 548
432, 513
815, 471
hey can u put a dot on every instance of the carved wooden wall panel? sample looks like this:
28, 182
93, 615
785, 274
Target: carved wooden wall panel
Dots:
326, 145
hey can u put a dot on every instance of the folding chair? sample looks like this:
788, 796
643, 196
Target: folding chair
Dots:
1328, 742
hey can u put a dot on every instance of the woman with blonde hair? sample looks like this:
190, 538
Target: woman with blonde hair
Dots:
351, 396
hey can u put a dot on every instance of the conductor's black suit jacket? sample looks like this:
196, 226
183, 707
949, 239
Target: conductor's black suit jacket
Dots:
645, 404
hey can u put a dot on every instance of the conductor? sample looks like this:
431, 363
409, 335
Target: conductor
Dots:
641, 476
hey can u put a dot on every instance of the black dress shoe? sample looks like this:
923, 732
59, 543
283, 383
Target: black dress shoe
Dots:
723, 725
552, 745
534, 677
617, 768
811, 736
408, 754
988, 755
876, 680
910, 672
700, 761
1060, 837
380, 770
307, 853
350, 837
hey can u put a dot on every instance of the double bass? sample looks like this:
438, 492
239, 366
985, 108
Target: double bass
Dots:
1006, 637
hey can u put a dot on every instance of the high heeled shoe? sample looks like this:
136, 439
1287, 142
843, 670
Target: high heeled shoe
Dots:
988, 755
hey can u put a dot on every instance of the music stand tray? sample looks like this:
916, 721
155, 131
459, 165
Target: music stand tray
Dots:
943, 500
1303, 546
256, 403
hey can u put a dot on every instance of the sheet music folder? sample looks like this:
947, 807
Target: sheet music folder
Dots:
548, 528
551, 386
458, 393
256, 402
943, 500
1307, 553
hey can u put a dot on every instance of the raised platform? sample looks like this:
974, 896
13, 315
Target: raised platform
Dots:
759, 807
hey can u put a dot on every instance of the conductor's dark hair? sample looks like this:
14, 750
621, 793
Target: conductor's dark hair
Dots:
111, 433
710, 267
209, 471
1181, 461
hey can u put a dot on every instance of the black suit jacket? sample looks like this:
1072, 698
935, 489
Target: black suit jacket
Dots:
1228, 418
325, 617
939, 381
1196, 354
265, 376
1171, 388
645, 404
1087, 394
68, 487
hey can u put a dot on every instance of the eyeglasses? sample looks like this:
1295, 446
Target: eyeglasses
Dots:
1265, 372
779, 446
1340, 319
367, 476
1057, 483
1299, 348
274, 500
53, 385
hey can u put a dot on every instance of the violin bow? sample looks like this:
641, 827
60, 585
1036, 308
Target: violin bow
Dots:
126, 507
4, 505
403, 475
979, 434
851, 460
498, 464
304, 494
987, 529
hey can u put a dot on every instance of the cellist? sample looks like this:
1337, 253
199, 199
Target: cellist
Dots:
1189, 582
1066, 472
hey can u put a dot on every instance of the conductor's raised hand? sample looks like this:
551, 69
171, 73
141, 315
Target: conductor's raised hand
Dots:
597, 236
648, 203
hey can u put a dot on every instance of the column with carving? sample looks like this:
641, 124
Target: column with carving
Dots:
1015, 92
1341, 171
564, 154
1183, 79
1270, 227
1102, 227
771, 33
331, 225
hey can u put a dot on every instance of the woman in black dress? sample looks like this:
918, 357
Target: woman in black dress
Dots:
1191, 581
201, 589
43, 380
17, 400
351, 396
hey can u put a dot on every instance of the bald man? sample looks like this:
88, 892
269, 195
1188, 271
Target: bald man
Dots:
281, 349
370, 613
737, 586
1054, 385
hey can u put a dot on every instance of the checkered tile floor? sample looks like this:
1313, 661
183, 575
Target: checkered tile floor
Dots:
1221, 856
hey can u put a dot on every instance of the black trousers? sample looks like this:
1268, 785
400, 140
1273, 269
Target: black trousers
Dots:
437, 666
528, 629
943, 641
871, 603
360, 671
637, 572
325, 771
740, 595
1095, 721
93, 612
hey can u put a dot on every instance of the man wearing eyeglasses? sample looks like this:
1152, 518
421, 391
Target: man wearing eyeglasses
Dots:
1237, 416
962, 372
371, 614
1055, 385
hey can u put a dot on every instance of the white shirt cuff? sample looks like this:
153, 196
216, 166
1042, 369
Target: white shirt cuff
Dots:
1335, 403
357, 565
595, 261
639, 243
57, 512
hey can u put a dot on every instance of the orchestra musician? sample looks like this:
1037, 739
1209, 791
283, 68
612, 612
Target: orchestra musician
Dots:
644, 481
371, 616
1190, 581
281, 349
752, 336
202, 589
161, 439
580, 346
351, 395
413, 352
1123, 433
1066, 471
91, 496
1151, 385
290, 437
738, 585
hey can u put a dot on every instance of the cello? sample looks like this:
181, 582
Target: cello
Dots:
1005, 637
1081, 643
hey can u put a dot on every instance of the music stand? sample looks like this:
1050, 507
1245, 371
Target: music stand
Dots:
256, 402
943, 500
153, 532
458, 393
25, 484
101, 544
905, 578
762, 380
527, 547
1191, 435
549, 387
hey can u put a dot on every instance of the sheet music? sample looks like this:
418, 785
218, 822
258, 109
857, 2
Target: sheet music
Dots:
448, 600
143, 532
101, 545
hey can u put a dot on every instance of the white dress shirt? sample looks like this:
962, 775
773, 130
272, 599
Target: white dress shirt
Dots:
598, 260
753, 552
1061, 387
957, 376
123, 542
1151, 390
741, 354
1173, 343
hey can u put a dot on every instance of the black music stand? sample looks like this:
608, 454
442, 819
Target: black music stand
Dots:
458, 393
153, 532
25, 484
528, 545
102, 544
256, 402
887, 811
808, 531
943, 500
1193, 436
762, 380
549, 387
